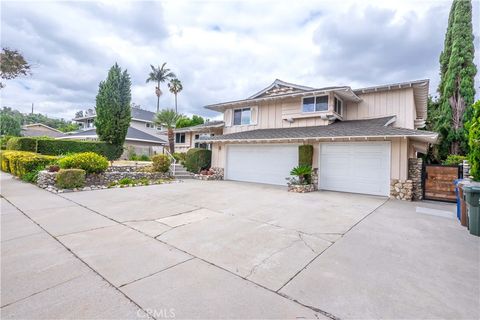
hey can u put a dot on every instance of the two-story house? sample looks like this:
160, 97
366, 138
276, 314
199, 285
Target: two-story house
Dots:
192, 137
143, 136
362, 138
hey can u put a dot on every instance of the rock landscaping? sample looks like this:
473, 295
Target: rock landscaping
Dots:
301, 188
211, 174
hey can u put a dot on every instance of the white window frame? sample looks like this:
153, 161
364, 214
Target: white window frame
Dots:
241, 109
315, 103
335, 105
184, 135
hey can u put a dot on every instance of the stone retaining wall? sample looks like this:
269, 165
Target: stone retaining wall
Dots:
401, 189
217, 174
46, 179
124, 168
301, 188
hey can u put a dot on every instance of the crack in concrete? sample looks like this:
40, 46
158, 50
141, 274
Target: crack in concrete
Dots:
305, 242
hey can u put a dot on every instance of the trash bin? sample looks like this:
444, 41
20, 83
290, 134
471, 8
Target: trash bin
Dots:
463, 205
456, 182
472, 195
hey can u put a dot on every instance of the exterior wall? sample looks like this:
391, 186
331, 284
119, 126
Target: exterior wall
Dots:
398, 157
141, 126
378, 104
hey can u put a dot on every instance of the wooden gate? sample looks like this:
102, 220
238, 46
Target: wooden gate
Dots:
438, 182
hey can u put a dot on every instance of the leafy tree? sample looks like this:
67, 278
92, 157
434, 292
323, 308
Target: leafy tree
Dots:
168, 118
113, 107
159, 75
189, 122
175, 86
474, 142
9, 125
456, 88
69, 127
12, 65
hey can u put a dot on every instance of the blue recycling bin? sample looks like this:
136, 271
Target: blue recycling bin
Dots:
456, 182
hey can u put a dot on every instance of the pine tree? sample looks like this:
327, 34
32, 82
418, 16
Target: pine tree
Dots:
456, 89
113, 107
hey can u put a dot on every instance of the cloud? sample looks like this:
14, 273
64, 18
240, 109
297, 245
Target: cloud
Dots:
220, 51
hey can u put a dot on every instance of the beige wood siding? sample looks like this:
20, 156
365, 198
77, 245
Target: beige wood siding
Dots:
378, 104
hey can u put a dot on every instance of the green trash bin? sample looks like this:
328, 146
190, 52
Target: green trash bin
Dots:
472, 196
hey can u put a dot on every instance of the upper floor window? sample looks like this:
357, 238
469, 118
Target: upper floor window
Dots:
313, 104
338, 106
149, 125
242, 116
179, 137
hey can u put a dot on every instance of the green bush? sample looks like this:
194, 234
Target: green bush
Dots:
22, 144
88, 161
179, 156
3, 142
303, 172
70, 178
453, 160
474, 142
144, 157
305, 155
126, 181
20, 163
198, 159
62, 147
161, 163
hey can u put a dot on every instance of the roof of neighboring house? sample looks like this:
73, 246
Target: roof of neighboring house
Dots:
137, 114
132, 134
29, 130
378, 127
202, 127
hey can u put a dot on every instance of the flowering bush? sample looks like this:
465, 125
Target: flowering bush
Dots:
161, 163
88, 161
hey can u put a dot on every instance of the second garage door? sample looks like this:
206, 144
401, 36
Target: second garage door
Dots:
261, 163
360, 167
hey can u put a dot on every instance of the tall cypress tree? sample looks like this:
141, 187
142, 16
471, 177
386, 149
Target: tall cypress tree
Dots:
456, 89
113, 107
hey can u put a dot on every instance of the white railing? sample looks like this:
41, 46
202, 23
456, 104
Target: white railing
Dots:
174, 161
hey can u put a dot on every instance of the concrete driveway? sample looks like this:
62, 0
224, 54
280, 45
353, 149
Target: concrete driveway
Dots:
231, 250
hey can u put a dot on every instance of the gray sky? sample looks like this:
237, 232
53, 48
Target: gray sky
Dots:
220, 50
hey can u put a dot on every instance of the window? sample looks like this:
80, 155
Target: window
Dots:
179, 137
338, 106
197, 136
241, 116
149, 125
313, 104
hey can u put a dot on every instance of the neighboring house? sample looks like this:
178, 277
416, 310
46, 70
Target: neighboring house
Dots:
137, 141
362, 138
40, 130
142, 120
190, 137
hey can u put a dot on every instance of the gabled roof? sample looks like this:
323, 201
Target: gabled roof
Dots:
145, 115
278, 86
133, 134
378, 127
202, 127
28, 130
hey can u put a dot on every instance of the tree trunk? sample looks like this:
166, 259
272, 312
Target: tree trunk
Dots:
171, 141
176, 111
457, 104
158, 104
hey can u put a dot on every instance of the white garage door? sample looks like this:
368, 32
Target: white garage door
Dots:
361, 167
261, 163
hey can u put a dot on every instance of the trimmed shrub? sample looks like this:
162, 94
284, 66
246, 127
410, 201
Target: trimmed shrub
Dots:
454, 160
88, 161
3, 142
20, 163
70, 178
126, 181
161, 163
179, 156
22, 144
198, 159
61, 147
144, 157
305, 155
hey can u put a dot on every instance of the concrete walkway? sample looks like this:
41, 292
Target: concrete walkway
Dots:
231, 250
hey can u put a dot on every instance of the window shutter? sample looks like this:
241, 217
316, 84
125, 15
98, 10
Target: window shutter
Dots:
227, 117
254, 115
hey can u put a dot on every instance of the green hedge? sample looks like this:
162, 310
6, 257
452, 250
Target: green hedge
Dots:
198, 159
20, 163
60, 147
70, 178
305, 155
22, 144
91, 162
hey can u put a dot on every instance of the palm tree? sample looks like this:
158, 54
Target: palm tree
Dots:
159, 75
175, 87
168, 118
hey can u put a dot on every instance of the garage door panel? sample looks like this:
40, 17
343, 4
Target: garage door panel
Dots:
355, 167
269, 164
